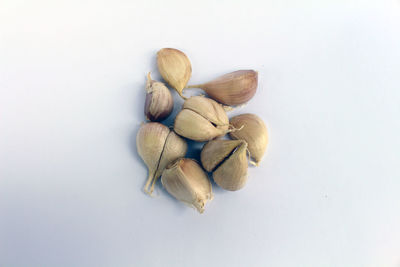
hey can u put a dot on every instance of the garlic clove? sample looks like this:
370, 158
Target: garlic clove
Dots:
201, 119
175, 147
150, 141
187, 182
232, 173
159, 102
233, 88
174, 67
207, 108
191, 125
253, 131
216, 151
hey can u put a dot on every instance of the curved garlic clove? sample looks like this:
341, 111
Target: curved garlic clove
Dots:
252, 129
158, 146
233, 88
227, 160
187, 182
159, 102
174, 67
201, 119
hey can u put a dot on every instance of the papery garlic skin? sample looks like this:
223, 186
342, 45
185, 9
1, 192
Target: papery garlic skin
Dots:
187, 182
158, 146
175, 68
253, 130
227, 160
201, 119
235, 88
159, 102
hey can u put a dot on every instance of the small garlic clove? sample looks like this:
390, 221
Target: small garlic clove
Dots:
150, 141
207, 108
191, 125
216, 151
252, 129
232, 173
187, 182
159, 102
174, 67
233, 88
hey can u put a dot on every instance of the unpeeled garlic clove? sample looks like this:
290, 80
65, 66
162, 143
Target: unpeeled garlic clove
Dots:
252, 129
227, 160
187, 182
159, 102
174, 67
158, 146
201, 119
233, 88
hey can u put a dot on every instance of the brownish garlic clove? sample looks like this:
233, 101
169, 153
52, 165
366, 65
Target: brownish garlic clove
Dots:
187, 182
175, 68
233, 88
201, 119
252, 129
227, 160
158, 146
159, 102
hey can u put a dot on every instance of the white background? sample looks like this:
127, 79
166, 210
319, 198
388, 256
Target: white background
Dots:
72, 77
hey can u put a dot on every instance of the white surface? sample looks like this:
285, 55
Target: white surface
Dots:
71, 98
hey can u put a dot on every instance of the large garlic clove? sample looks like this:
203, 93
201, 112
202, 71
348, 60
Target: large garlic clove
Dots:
207, 108
234, 88
187, 182
195, 127
201, 119
174, 67
159, 102
158, 146
252, 129
216, 151
150, 142
227, 160
232, 173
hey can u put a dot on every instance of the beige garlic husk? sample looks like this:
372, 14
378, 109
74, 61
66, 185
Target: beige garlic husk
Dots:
174, 67
187, 182
252, 129
159, 102
227, 160
233, 88
201, 119
158, 146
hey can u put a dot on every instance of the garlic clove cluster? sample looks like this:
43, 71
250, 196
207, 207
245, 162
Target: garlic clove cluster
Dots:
174, 67
227, 160
187, 182
159, 102
158, 146
252, 129
201, 119
233, 88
